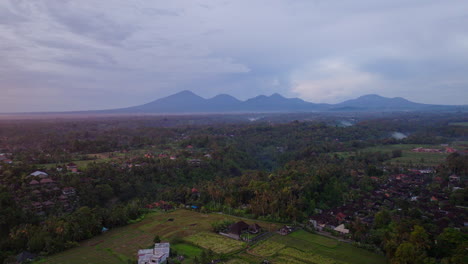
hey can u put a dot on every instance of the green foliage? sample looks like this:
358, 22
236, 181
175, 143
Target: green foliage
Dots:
382, 219
221, 226
157, 239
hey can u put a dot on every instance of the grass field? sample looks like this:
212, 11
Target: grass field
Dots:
219, 244
187, 250
98, 158
311, 238
121, 244
408, 156
267, 248
465, 124
304, 247
193, 231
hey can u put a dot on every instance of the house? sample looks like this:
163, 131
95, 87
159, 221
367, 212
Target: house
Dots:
48, 204
68, 191
47, 182
37, 206
313, 223
340, 217
236, 229
157, 255
341, 229
450, 150
195, 162
285, 230
72, 167
254, 229
39, 174
33, 183
454, 178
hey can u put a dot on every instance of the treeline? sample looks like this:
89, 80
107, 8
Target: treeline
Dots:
58, 233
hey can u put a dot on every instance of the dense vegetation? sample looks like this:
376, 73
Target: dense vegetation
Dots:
278, 171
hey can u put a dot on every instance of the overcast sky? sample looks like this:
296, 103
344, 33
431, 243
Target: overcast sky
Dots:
97, 54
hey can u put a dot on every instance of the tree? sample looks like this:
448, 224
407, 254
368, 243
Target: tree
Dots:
157, 239
406, 253
382, 219
419, 238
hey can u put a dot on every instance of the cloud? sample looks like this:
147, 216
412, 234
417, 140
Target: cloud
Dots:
332, 79
121, 53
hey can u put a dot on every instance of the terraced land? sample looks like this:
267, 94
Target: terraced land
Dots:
303, 247
193, 232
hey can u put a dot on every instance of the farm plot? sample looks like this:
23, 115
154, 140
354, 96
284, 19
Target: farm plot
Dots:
267, 248
308, 257
121, 244
215, 242
302, 246
311, 238
186, 250
236, 261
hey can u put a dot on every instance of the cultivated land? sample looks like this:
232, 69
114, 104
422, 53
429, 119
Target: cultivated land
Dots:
408, 156
193, 232
304, 247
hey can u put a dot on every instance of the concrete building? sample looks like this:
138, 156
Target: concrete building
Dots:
157, 255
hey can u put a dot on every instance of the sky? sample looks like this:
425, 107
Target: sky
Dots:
66, 55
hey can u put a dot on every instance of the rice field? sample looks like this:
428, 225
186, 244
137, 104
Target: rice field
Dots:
219, 244
303, 247
408, 156
193, 233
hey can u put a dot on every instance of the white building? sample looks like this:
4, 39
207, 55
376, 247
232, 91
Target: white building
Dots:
157, 255
341, 228
39, 174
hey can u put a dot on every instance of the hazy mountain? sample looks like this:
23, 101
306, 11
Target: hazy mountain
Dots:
182, 102
188, 102
222, 103
278, 103
377, 102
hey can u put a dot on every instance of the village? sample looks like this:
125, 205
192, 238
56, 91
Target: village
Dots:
417, 191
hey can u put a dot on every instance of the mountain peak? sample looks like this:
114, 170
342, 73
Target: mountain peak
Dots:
277, 95
185, 93
370, 96
375, 101
188, 102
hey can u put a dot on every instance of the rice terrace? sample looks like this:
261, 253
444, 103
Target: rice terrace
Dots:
191, 232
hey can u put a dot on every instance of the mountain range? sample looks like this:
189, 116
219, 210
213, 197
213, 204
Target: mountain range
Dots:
188, 102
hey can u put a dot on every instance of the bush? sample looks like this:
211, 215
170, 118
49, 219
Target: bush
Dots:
221, 225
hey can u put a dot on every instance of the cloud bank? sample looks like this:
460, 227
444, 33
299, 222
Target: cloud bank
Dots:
76, 55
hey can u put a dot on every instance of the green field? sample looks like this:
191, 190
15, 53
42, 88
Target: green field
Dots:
219, 244
304, 247
408, 156
193, 232
188, 250
121, 244
459, 124
99, 158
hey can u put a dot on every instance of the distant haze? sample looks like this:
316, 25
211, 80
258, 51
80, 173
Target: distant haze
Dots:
64, 55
